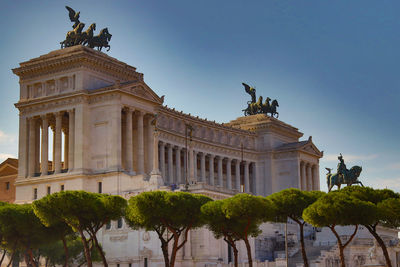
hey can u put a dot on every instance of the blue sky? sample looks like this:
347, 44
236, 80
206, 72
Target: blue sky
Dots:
332, 65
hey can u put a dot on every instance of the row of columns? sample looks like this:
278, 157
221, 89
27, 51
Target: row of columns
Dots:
137, 146
309, 178
37, 142
173, 164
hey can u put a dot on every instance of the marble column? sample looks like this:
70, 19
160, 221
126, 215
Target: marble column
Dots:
170, 165
237, 174
314, 178
211, 169
66, 140
203, 167
246, 177
228, 173
220, 178
162, 160
317, 181
23, 147
140, 148
195, 165
129, 141
71, 143
308, 179
57, 148
44, 162
303, 176
156, 167
178, 165
149, 147
192, 179
32, 146
254, 180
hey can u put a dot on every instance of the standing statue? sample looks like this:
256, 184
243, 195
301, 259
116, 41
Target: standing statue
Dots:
77, 37
343, 175
258, 107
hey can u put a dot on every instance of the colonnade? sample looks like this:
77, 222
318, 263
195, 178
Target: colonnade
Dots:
137, 141
309, 177
215, 170
35, 143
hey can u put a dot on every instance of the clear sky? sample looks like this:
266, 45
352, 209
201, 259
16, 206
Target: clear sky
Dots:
333, 65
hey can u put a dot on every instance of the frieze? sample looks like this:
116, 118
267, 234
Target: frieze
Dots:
285, 155
29, 108
104, 97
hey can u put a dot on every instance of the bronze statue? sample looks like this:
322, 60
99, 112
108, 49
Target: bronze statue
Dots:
73, 16
258, 107
77, 37
343, 175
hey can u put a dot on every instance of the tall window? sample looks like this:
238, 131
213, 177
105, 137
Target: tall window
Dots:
34, 193
62, 187
48, 190
7, 185
100, 187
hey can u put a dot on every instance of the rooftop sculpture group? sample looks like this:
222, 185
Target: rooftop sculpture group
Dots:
77, 37
343, 175
259, 107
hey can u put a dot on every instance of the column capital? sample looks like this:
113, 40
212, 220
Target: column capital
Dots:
58, 114
128, 110
212, 156
228, 159
44, 116
139, 112
247, 163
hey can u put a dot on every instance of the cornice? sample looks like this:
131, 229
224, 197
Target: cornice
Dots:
76, 57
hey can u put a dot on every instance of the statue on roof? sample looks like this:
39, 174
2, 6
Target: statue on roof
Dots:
258, 107
343, 175
79, 37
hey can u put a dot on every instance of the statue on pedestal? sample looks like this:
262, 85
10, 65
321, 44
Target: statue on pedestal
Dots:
343, 175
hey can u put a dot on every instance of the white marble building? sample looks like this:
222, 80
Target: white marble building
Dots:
111, 133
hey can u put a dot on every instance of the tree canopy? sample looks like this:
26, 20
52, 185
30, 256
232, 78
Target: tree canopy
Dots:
385, 201
290, 203
338, 208
83, 211
161, 210
248, 212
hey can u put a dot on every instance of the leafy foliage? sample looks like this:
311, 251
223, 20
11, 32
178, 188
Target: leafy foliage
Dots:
160, 210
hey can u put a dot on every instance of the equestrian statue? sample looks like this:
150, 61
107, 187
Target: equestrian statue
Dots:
79, 37
259, 107
343, 175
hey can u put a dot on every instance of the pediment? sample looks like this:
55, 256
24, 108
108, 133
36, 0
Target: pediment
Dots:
8, 169
310, 148
143, 91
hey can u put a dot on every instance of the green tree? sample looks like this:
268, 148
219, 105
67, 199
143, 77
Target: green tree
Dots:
382, 199
84, 212
337, 208
22, 230
290, 203
248, 212
159, 211
2, 247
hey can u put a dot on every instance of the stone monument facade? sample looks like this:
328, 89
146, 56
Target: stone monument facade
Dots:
89, 122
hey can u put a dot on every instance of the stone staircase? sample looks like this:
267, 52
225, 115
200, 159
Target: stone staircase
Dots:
313, 254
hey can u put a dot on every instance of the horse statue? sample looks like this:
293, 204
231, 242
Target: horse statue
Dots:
101, 40
87, 35
258, 107
73, 36
272, 108
343, 175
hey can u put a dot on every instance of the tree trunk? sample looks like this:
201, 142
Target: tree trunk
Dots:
100, 249
381, 244
164, 248
86, 249
174, 249
26, 258
303, 247
65, 251
31, 258
235, 255
246, 241
3, 256
340, 244
12, 258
